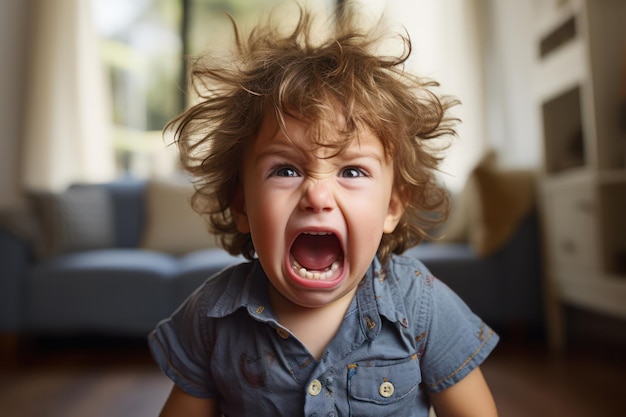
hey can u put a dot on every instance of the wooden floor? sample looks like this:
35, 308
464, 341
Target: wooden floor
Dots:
584, 381
105, 379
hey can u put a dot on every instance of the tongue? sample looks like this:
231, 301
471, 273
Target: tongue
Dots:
316, 252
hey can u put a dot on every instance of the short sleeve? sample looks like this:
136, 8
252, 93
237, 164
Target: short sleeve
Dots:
179, 346
457, 340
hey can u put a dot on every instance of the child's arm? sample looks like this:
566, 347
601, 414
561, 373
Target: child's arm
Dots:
470, 397
179, 403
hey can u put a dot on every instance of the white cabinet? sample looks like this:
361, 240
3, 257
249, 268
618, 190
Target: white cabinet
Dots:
580, 90
573, 241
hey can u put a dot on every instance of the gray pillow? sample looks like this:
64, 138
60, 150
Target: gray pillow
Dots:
78, 219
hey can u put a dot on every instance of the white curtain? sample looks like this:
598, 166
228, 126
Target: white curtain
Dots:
67, 117
447, 47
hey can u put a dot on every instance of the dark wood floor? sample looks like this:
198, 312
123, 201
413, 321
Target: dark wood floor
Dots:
102, 378
80, 378
584, 381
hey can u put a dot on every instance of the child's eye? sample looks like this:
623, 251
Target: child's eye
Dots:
285, 171
353, 172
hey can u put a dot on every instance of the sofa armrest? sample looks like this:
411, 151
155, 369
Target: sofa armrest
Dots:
15, 255
520, 263
503, 287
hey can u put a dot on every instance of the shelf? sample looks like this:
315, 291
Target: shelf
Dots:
561, 71
574, 176
564, 133
584, 175
550, 15
615, 176
605, 295
577, 88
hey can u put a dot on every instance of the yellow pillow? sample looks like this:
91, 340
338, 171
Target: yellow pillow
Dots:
488, 210
505, 198
172, 226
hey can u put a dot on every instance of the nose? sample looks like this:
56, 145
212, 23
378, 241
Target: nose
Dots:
318, 196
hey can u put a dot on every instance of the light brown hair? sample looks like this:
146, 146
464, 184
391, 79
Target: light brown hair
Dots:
292, 74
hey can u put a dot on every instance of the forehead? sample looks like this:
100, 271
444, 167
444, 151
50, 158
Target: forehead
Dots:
324, 137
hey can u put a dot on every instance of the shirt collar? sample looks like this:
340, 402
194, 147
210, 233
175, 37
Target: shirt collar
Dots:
247, 288
377, 295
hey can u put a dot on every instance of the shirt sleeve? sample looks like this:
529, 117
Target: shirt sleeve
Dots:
179, 346
457, 341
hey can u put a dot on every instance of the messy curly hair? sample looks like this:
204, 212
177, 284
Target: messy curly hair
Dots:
291, 74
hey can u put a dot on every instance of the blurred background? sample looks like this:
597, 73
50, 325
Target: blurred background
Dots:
94, 213
118, 66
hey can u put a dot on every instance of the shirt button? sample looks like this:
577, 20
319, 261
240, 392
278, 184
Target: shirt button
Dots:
284, 334
315, 387
386, 389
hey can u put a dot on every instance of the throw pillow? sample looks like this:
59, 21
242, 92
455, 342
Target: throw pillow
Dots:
75, 220
172, 226
488, 210
505, 197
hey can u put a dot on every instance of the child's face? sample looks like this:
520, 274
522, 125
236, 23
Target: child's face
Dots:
316, 220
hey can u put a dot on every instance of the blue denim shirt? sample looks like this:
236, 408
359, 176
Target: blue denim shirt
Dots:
404, 334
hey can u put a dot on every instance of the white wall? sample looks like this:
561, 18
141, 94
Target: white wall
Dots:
513, 119
446, 38
13, 38
482, 52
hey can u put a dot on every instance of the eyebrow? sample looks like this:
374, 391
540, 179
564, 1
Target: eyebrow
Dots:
280, 148
351, 154
288, 149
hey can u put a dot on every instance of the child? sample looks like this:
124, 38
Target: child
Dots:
313, 162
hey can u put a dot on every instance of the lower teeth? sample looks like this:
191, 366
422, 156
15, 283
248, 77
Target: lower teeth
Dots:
315, 275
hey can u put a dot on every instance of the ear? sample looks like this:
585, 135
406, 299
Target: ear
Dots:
238, 210
396, 208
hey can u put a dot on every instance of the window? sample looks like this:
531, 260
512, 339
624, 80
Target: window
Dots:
142, 45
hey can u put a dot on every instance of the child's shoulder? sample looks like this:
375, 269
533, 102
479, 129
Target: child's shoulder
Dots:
412, 283
403, 285
224, 287
408, 270
229, 275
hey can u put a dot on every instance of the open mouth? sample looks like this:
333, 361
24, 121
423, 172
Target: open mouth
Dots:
317, 256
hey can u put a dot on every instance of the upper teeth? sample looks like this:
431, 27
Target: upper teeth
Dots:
317, 233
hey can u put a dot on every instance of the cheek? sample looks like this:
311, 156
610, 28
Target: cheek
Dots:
367, 219
369, 216
373, 203
267, 222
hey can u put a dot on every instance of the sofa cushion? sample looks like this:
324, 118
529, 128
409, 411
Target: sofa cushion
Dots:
78, 219
128, 198
198, 266
475, 279
172, 226
111, 290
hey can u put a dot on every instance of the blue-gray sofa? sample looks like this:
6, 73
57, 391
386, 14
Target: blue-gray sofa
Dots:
119, 288
123, 288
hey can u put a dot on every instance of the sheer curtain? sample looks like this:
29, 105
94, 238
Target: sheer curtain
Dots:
447, 39
68, 121
67, 116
